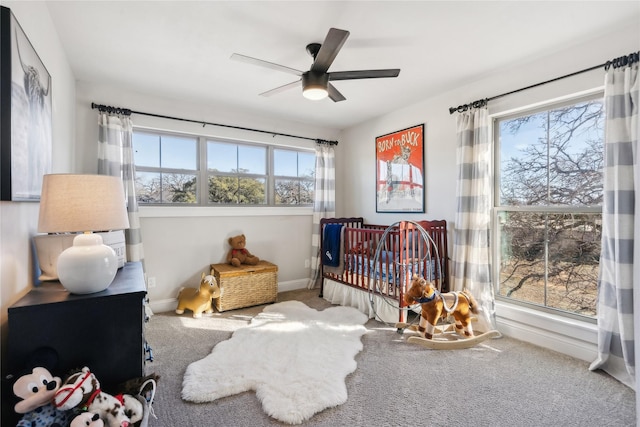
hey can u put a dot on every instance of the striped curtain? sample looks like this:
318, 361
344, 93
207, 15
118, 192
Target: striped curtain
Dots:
324, 204
115, 157
471, 261
620, 244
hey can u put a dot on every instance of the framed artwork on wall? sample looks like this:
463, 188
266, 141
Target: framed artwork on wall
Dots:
400, 171
25, 114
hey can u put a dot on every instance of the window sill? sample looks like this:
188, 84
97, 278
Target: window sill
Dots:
569, 336
210, 211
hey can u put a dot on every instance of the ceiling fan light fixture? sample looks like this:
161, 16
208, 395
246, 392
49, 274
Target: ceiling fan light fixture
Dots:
314, 85
315, 93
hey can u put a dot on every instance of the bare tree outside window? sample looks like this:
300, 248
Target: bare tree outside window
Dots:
548, 210
153, 187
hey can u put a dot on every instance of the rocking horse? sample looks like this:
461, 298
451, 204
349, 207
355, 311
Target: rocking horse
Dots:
199, 300
436, 306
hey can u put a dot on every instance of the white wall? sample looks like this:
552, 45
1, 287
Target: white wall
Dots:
19, 220
181, 242
356, 193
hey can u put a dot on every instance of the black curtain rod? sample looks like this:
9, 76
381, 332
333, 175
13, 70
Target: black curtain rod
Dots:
128, 112
621, 61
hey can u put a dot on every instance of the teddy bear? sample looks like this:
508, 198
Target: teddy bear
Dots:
82, 390
37, 389
239, 254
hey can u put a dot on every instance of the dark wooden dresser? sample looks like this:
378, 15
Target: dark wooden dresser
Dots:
103, 330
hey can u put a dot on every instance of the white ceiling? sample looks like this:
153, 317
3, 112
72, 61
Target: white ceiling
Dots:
181, 49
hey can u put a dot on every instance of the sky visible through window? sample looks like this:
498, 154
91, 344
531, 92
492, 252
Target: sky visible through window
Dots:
513, 145
175, 152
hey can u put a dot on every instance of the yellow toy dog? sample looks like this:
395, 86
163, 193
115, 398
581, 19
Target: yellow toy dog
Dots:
199, 300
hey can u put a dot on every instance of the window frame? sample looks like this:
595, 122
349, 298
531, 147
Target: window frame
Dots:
497, 209
203, 174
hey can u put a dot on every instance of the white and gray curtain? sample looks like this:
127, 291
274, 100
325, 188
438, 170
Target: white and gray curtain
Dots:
471, 267
324, 204
115, 157
619, 275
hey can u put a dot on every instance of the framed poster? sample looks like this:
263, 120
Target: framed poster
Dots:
25, 114
400, 171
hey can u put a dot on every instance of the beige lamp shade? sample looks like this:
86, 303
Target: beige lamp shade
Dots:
78, 203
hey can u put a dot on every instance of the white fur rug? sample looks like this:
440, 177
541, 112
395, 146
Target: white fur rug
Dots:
295, 358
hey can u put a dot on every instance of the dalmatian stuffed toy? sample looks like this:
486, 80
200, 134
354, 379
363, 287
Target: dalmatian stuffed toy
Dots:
37, 389
87, 419
82, 390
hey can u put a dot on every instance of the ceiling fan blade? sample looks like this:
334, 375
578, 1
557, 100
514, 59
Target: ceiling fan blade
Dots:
281, 88
364, 74
334, 94
329, 50
267, 64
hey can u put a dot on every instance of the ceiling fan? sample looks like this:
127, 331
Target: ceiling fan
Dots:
316, 82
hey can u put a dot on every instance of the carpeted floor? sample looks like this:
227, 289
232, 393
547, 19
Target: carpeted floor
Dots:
502, 382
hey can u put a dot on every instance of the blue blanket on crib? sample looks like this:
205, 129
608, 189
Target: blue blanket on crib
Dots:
331, 245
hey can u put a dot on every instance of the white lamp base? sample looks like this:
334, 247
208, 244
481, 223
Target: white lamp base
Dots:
88, 266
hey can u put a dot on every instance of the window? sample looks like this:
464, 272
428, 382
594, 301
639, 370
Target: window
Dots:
548, 205
166, 168
293, 173
174, 169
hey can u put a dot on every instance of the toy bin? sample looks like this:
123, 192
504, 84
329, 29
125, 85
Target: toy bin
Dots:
245, 286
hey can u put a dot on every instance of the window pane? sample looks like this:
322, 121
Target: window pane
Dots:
306, 165
223, 189
294, 192
157, 187
147, 149
285, 163
179, 188
553, 157
252, 191
179, 153
222, 157
252, 159
550, 259
235, 190
148, 187
293, 163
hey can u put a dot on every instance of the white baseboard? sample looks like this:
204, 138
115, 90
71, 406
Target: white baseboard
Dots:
170, 304
564, 335
292, 285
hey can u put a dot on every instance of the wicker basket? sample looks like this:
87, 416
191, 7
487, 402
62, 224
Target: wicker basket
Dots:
246, 285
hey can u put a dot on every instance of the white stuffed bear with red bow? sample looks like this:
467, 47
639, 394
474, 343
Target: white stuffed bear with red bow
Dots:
82, 390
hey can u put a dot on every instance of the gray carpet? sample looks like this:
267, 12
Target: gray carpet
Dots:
502, 382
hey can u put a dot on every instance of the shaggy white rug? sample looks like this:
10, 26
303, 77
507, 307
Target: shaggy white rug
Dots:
294, 357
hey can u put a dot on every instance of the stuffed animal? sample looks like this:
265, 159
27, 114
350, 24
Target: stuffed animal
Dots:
37, 390
82, 390
87, 419
434, 306
199, 300
239, 254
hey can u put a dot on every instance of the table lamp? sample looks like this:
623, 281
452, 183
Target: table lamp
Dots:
72, 203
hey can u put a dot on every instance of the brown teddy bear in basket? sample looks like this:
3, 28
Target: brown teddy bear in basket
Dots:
239, 254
